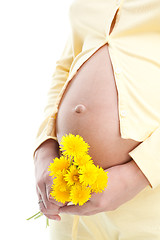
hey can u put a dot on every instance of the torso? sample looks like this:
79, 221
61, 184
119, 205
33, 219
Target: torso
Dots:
89, 107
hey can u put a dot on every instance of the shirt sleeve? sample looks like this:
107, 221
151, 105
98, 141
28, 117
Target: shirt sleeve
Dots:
46, 130
147, 157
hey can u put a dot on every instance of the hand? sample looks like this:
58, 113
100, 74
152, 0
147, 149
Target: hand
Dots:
124, 182
43, 157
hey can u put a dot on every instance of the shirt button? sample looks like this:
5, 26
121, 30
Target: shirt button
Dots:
123, 113
118, 70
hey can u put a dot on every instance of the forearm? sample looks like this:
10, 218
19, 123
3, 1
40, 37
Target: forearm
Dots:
134, 176
124, 183
48, 149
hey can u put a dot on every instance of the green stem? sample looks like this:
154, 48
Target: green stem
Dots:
47, 222
34, 215
39, 215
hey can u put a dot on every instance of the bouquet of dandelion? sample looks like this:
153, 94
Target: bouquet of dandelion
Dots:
75, 177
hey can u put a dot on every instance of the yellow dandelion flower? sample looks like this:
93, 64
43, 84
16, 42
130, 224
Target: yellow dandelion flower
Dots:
59, 195
72, 175
73, 145
101, 181
82, 160
80, 194
88, 174
58, 165
59, 181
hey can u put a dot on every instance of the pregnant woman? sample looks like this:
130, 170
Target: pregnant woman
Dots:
106, 88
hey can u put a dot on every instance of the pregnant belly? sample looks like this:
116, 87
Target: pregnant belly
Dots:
89, 107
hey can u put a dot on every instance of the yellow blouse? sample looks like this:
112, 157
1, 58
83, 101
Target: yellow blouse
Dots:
134, 47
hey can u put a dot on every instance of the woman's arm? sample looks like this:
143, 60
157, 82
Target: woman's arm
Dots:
124, 182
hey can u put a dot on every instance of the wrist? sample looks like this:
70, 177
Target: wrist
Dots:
50, 147
135, 175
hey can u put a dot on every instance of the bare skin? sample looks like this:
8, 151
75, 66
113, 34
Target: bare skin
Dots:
44, 155
126, 181
89, 108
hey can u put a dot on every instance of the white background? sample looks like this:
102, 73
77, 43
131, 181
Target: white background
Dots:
32, 36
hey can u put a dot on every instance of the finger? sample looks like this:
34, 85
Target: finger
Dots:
38, 194
47, 207
40, 202
39, 197
59, 204
41, 192
43, 210
77, 210
53, 217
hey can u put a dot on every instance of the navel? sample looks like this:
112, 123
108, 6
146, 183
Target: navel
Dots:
80, 108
